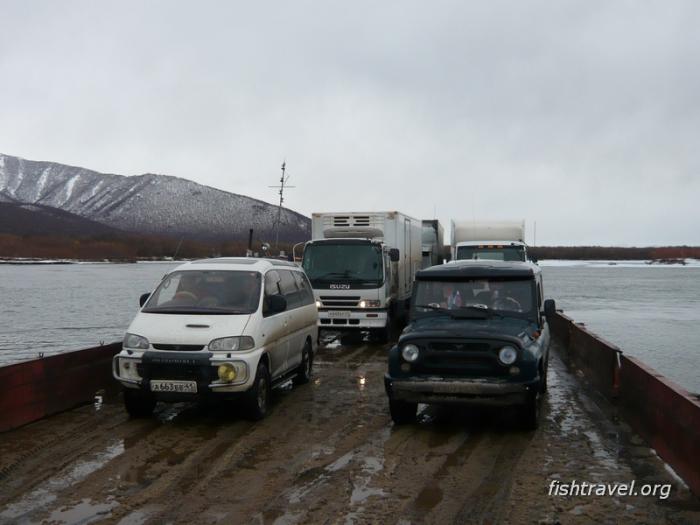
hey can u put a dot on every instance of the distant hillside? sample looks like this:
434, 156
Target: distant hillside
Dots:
34, 219
146, 204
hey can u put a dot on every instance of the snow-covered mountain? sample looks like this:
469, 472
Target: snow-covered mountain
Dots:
153, 204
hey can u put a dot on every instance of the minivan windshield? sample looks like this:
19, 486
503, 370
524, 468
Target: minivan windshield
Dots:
206, 292
505, 297
343, 262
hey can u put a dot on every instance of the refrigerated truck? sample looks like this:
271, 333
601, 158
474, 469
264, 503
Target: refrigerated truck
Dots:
432, 243
362, 266
493, 240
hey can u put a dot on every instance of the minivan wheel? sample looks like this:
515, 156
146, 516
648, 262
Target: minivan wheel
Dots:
138, 403
402, 412
304, 371
258, 397
531, 411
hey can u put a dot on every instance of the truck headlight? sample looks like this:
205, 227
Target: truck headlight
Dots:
232, 344
318, 303
370, 303
507, 355
410, 353
135, 341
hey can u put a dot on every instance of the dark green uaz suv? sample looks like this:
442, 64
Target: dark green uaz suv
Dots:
477, 335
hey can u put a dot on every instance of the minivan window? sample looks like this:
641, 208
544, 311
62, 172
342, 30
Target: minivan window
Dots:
206, 292
289, 289
307, 294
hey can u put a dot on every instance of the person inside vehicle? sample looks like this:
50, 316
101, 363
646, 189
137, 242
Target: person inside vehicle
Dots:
451, 298
501, 299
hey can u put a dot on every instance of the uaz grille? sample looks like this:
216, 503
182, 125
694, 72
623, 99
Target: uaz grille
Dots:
459, 359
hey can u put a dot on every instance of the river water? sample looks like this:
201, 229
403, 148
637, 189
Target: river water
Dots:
649, 311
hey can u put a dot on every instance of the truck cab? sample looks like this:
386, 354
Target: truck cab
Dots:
491, 250
478, 334
361, 267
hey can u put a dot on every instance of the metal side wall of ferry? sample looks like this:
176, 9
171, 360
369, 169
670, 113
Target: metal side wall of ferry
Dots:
362, 267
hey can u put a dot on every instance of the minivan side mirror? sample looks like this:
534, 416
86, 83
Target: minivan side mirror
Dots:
276, 303
144, 297
394, 255
549, 308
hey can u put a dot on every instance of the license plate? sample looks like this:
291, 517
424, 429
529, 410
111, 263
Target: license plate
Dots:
186, 387
345, 314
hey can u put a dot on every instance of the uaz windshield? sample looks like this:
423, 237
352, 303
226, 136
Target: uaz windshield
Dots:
502, 296
206, 292
343, 262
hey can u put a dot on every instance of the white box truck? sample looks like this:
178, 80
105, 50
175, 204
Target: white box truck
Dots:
362, 267
494, 240
432, 243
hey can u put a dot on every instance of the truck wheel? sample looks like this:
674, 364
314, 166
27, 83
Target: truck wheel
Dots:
531, 412
138, 403
381, 335
402, 412
304, 371
257, 397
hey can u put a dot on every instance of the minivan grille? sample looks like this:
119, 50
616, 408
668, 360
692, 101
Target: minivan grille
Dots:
178, 348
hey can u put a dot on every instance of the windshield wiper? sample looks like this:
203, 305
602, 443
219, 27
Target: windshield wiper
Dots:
431, 307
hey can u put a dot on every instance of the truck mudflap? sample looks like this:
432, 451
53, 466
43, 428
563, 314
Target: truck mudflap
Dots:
480, 392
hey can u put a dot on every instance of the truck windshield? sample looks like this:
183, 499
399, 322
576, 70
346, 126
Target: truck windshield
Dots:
206, 292
503, 296
343, 262
491, 253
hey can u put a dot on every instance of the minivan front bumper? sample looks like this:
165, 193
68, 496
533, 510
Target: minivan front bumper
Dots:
459, 391
201, 368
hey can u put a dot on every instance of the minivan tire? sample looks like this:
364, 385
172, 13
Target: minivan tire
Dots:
257, 398
402, 413
307, 362
138, 404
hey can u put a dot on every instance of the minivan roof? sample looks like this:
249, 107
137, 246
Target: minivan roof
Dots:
468, 268
236, 263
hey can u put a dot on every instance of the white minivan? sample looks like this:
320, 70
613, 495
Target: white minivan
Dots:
232, 327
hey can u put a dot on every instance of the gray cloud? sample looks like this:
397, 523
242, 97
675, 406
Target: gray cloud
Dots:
580, 115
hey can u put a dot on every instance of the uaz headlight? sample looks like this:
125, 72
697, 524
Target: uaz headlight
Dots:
410, 353
135, 341
232, 344
507, 355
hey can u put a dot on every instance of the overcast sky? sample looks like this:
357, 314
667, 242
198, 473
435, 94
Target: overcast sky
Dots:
583, 116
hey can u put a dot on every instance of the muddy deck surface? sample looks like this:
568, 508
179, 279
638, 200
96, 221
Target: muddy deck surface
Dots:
328, 453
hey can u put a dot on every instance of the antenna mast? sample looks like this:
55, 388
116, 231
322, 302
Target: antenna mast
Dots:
283, 184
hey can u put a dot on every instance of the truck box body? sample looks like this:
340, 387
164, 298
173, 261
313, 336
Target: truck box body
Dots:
494, 236
432, 243
348, 260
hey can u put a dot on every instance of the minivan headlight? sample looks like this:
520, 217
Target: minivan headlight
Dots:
135, 341
410, 353
507, 355
232, 344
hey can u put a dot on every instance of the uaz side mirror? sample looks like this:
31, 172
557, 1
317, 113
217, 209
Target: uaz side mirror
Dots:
394, 255
144, 297
549, 308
